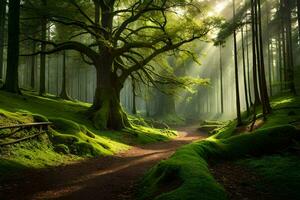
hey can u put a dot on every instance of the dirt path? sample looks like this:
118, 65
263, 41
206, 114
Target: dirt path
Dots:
107, 178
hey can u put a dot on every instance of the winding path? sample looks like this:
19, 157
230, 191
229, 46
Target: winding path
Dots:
106, 178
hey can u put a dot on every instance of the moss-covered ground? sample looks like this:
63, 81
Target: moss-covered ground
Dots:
71, 137
270, 151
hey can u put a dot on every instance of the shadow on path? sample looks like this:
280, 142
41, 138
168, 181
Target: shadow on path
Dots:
105, 178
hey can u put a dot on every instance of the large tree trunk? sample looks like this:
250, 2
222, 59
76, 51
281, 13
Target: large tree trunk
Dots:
106, 111
11, 83
2, 34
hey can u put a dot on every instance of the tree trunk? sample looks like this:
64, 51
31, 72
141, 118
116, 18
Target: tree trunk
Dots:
42, 90
64, 94
238, 106
298, 18
264, 89
244, 72
248, 66
221, 81
32, 78
290, 56
106, 111
11, 83
254, 56
133, 97
2, 34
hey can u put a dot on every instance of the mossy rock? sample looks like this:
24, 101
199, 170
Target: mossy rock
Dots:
61, 148
65, 126
85, 149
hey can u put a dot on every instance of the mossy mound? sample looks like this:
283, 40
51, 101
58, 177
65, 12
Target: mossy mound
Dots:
192, 167
78, 139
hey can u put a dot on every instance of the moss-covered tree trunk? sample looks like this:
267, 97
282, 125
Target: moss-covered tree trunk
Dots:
106, 111
11, 82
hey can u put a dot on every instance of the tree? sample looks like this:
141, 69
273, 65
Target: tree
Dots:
42, 89
2, 34
64, 93
123, 39
11, 82
238, 104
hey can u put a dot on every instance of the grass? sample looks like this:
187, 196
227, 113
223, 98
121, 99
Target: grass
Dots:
73, 136
189, 165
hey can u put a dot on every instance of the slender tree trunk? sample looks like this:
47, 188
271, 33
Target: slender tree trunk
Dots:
133, 96
33, 61
248, 65
269, 51
42, 90
64, 93
280, 62
238, 106
12, 83
2, 34
298, 17
221, 80
244, 72
254, 56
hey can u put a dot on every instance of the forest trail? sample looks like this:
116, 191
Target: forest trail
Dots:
105, 178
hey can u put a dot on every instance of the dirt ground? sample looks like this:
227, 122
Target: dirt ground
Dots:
105, 178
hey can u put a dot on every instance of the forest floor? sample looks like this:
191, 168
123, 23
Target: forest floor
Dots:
111, 177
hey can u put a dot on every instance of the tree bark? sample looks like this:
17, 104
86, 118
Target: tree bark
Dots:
11, 83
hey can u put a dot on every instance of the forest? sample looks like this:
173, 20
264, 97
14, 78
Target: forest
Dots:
150, 99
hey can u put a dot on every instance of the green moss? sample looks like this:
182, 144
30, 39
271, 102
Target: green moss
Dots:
277, 171
191, 162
